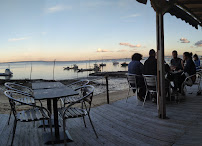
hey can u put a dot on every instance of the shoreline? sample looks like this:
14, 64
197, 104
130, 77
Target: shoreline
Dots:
117, 91
98, 100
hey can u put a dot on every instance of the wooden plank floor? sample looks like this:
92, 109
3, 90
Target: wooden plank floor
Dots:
122, 123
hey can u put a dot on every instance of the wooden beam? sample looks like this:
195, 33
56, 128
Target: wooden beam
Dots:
191, 2
161, 101
196, 9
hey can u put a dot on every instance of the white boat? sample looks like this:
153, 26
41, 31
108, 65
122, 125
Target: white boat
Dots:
7, 73
115, 62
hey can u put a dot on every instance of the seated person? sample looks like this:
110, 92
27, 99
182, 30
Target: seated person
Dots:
150, 65
189, 69
197, 62
150, 68
176, 63
136, 67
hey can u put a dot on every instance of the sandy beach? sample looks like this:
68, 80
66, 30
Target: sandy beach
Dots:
117, 91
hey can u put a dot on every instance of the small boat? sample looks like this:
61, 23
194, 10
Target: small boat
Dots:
88, 69
66, 68
75, 67
115, 62
7, 73
102, 64
124, 64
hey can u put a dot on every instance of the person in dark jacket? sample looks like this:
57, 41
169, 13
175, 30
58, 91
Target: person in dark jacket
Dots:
137, 68
150, 65
189, 69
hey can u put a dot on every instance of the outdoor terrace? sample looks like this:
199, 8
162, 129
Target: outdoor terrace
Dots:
122, 123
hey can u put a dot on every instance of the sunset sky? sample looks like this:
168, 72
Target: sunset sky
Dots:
66, 30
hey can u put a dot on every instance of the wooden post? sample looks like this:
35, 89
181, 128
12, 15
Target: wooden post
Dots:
107, 88
161, 106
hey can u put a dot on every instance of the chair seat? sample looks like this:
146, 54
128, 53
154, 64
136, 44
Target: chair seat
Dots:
70, 99
35, 114
72, 112
28, 100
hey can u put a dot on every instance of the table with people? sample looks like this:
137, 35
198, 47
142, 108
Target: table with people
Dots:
176, 72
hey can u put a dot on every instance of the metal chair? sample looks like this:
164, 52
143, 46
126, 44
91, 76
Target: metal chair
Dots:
20, 89
76, 86
36, 113
74, 112
131, 78
151, 85
189, 82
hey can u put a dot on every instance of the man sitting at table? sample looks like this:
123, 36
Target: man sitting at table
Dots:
150, 68
176, 70
150, 65
176, 63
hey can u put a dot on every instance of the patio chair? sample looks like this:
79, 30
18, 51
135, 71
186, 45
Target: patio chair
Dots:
131, 78
76, 86
189, 82
151, 85
74, 112
20, 89
36, 113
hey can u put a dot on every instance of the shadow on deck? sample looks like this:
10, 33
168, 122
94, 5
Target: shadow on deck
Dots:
122, 123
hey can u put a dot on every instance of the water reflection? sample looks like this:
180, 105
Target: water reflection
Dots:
44, 70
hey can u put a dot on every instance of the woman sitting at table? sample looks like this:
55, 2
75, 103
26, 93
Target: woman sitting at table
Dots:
197, 62
136, 67
189, 70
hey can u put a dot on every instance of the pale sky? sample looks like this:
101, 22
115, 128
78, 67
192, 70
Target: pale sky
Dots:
66, 30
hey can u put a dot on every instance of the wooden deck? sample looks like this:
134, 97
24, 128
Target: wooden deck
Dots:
122, 123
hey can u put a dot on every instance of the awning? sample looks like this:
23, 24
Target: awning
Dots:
188, 10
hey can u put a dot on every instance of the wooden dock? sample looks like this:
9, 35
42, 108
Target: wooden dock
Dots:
122, 123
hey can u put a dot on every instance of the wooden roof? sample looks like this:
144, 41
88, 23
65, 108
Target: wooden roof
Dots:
194, 7
189, 11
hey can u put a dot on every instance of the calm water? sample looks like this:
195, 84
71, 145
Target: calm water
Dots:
44, 70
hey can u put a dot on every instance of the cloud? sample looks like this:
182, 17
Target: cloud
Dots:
17, 39
123, 50
130, 45
184, 40
57, 8
102, 50
198, 44
131, 16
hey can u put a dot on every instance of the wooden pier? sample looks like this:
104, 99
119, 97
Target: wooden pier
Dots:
122, 123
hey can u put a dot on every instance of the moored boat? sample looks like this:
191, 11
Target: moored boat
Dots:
7, 73
124, 64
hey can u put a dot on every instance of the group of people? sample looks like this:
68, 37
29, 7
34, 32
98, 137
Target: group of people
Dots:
178, 70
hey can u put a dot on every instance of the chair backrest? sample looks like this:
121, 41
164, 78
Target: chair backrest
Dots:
150, 81
87, 97
14, 97
131, 78
19, 88
78, 84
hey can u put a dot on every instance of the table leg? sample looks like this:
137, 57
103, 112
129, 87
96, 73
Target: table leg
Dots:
46, 122
59, 137
55, 112
49, 105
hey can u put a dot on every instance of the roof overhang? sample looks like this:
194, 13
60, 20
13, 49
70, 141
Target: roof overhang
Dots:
188, 10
